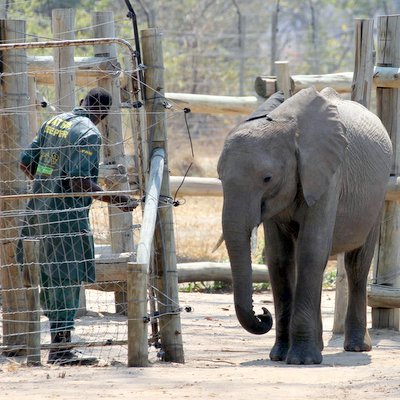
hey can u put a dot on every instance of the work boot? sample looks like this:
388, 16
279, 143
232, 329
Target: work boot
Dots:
65, 355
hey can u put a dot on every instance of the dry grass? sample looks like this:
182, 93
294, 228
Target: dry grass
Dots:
198, 228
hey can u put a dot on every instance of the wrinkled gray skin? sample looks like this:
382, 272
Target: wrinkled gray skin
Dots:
315, 174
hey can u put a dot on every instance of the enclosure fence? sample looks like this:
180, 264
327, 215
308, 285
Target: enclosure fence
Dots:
36, 87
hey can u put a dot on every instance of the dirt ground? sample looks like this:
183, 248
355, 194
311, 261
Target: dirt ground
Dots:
222, 362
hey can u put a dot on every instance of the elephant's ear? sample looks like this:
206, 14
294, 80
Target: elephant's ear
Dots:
321, 143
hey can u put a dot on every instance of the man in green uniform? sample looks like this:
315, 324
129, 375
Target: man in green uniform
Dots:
64, 158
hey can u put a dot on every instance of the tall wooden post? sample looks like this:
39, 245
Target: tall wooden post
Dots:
363, 62
361, 92
63, 22
165, 255
388, 102
14, 129
114, 152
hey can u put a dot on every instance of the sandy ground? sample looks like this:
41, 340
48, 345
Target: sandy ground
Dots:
222, 362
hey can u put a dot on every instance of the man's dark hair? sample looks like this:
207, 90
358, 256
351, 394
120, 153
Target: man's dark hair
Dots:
98, 100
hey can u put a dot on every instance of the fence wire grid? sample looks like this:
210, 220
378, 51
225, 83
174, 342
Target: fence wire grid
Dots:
56, 222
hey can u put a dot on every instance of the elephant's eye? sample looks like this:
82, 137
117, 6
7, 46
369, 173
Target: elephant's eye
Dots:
267, 178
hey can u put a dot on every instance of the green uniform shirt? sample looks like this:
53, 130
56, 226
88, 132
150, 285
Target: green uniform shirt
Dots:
66, 146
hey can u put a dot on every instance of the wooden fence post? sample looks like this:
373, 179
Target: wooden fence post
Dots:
14, 128
388, 102
165, 254
114, 152
137, 315
363, 62
361, 92
138, 272
31, 281
63, 23
283, 80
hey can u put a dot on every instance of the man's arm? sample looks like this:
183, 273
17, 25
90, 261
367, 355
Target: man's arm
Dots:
122, 201
27, 170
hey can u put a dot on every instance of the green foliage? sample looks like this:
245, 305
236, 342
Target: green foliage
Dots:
45, 7
329, 281
202, 47
206, 287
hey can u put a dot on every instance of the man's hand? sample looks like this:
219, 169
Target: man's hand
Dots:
123, 202
127, 204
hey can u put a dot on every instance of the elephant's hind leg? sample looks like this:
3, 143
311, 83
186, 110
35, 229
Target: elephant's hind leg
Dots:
357, 264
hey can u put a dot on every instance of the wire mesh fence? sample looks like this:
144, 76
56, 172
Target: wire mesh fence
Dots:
45, 291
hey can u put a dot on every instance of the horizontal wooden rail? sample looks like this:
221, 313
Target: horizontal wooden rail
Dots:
387, 77
113, 268
213, 271
88, 70
381, 296
194, 186
197, 186
208, 104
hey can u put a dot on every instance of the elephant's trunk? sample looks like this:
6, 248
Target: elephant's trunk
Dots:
237, 241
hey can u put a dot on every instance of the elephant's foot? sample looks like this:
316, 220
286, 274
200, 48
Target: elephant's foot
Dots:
279, 351
304, 353
357, 343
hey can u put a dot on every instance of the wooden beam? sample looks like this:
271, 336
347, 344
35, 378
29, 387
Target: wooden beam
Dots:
87, 69
195, 186
213, 271
383, 76
198, 186
380, 296
208, 104
341, 82
113, 267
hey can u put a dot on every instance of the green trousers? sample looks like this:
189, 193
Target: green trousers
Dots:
60, 302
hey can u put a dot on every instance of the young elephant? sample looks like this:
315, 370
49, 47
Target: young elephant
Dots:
314, 171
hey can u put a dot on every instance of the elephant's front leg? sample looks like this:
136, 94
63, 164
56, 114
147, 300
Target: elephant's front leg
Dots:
279, 249
306, 341
312, 251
